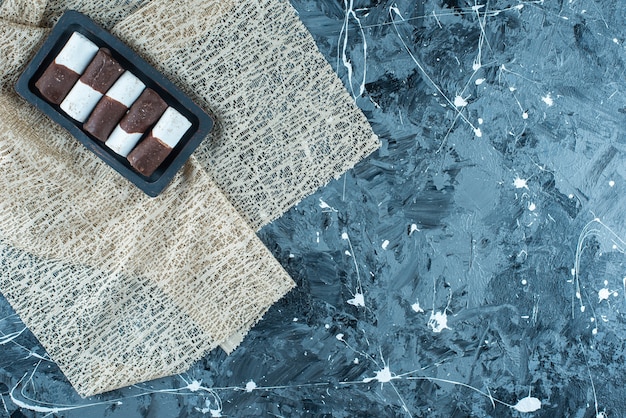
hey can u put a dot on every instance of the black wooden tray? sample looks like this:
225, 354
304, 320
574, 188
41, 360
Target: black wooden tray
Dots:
201, 123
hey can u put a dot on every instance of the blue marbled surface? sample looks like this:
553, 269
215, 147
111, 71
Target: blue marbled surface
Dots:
474, 266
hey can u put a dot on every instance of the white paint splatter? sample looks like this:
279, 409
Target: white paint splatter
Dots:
215, 413
326, 206
207, 409
359, 300
385, 244
524, 282
479, 81
355, 361
339, 337
528, 404
460, 101
413, 228
416, 306
250, 386
611, 183
10, 337
194, 386
604, 294
438, 321
532, 206
36, 408
50, 410
349, 12
382, 376
317, 239
480, 121
520, 183
547, 99
396, 11
525, 115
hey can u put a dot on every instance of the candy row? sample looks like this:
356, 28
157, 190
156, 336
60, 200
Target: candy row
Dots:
114, 106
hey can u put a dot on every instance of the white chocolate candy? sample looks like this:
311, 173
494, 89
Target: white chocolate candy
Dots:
77, 53
171, 127
80, 101
122, 142
126, 89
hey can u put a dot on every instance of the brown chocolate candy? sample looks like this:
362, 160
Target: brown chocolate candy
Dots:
61, 75
146, 110
104, 118
102, 71
148, 155
56, 82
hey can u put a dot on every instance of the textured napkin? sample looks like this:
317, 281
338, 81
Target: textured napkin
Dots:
121, 288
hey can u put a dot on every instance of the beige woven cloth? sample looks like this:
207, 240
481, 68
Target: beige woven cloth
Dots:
122, 288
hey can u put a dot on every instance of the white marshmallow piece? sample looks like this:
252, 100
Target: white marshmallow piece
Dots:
77, 53
122, 142
126, 89
80, 101
171, 127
